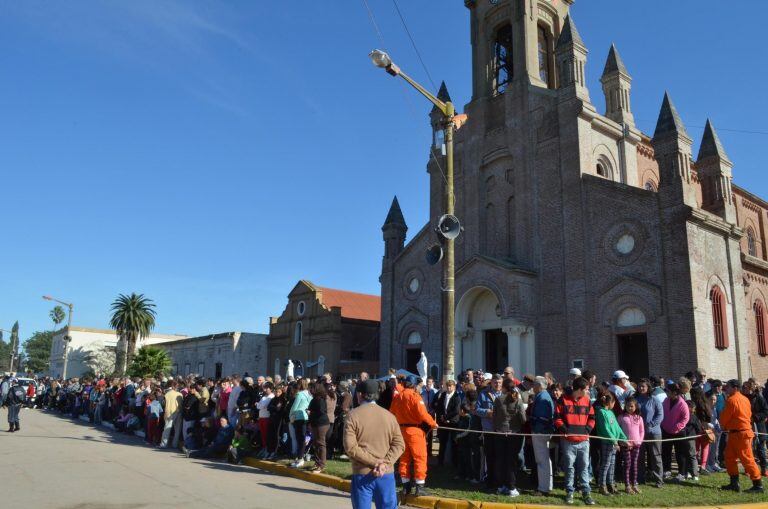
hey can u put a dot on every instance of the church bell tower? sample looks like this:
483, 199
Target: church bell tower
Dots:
513, 41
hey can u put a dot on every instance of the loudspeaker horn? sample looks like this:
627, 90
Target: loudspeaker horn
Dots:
434, 254
449, 226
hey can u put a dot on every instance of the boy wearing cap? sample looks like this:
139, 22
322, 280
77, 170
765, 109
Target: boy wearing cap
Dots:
373, 442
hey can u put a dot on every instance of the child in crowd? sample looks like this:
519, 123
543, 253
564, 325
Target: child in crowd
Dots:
693, 429
632, 425
241, 446
609, 431
154, 411
462, 440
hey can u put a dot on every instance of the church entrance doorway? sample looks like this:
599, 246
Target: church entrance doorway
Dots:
633, 355
496, 351
412, 357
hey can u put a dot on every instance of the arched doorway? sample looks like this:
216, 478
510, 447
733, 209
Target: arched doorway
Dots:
485, 340
633, 342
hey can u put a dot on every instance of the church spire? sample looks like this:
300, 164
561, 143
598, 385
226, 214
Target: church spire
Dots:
394, 231
716, 175
614, 62
710, 144
395, 215
571, 57
569, 34
617, 84
672, 148
669, 122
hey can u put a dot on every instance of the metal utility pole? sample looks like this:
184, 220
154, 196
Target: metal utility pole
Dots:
448, 227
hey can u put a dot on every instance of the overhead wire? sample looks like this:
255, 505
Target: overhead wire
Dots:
411, 107
413, 43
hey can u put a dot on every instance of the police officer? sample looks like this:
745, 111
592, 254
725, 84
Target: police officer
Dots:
17, 396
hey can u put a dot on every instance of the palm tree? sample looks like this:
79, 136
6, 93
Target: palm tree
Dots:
150, 361
57, 315
133, 318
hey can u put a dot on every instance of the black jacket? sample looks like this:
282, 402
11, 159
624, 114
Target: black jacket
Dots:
759, 411
189, 407
318, 412
450, 415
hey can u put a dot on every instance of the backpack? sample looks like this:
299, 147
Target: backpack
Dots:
18, 394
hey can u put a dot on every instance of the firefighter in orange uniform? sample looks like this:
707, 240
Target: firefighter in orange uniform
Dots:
736, 419
410, 412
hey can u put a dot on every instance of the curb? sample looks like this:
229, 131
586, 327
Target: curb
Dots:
345, 485
444, 503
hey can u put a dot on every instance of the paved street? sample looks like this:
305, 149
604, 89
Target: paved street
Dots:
55, 462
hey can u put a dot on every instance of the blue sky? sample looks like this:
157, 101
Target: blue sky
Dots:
211, 154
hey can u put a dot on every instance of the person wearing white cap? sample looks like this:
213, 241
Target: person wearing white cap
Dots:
620, 387
573, 374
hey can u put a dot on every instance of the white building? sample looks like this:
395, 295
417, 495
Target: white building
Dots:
87, 344
217, 355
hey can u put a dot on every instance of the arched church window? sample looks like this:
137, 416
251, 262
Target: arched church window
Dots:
650, 186
502, 53
414, 338
298, 334
601, 171
751, 242
545, 56
762, 345
631, 317
719, 318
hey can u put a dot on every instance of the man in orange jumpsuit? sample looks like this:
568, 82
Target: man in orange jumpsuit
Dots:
414, 420
736, 419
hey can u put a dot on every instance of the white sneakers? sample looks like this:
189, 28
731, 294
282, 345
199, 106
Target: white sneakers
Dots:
298, 464
506, 491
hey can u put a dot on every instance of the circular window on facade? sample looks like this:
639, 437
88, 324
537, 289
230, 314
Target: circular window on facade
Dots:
301, 308
413, 285
625, 244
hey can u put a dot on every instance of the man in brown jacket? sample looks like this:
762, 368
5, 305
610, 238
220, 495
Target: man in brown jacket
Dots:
373, 442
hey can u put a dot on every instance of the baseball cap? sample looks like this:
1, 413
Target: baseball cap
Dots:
487, 376
734, 383
619, 375
575, 371
412, 379
248, 380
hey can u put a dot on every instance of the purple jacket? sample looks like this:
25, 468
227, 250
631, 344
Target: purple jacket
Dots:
676, 416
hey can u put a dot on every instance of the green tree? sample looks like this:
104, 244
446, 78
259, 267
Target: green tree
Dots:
57, 315
5, 354
37, 352
150, 361
133, 318
14, 356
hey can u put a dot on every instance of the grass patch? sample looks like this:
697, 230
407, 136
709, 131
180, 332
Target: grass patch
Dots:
704, 492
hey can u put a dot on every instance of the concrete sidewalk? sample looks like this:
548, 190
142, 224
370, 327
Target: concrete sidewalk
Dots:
57, 462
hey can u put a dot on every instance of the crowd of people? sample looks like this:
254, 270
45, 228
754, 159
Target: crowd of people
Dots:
495, 430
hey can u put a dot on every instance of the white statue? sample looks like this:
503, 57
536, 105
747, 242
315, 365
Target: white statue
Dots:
422, 366
289, 370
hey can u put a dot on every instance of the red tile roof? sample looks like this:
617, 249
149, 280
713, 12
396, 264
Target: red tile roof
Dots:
359, 306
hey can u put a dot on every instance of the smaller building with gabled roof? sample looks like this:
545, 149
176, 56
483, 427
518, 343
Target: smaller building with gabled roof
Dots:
325, 330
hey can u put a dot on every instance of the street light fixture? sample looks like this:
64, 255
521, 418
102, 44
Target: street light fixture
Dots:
67, 337
450, 122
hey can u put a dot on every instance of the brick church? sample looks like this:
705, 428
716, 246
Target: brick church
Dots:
587, 242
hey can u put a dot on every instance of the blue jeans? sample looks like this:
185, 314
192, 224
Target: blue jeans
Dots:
607, 464
367, 489
576, 464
